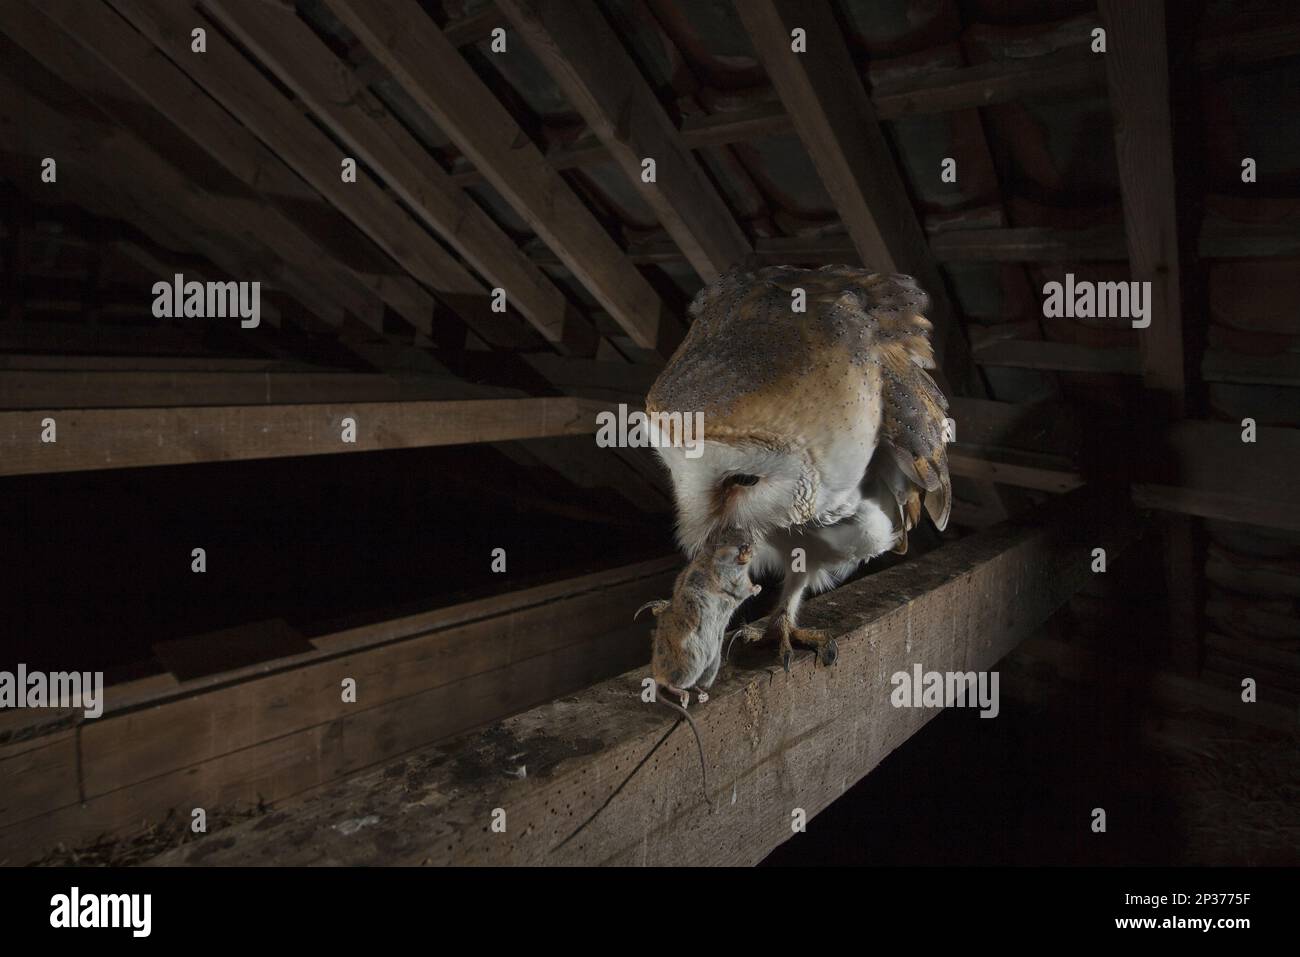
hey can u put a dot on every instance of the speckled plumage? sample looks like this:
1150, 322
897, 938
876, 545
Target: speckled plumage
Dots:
802, 403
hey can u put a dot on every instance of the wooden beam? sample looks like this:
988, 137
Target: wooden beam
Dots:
142, 74
1057, 357
236, 83
587, 61
1028, 472
1137, 71
402, 38
1029, 245
999, 245
96, 389
129, 438
1205, 469
773, 741
289, 48
106, 158
165, 746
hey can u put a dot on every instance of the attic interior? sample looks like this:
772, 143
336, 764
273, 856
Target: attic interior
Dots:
472, 564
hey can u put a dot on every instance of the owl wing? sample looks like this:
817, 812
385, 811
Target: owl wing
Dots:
913, 410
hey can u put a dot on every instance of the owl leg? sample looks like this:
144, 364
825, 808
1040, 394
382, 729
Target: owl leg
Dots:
782, 625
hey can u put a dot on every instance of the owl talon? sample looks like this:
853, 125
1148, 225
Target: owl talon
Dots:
829, 653
787, 658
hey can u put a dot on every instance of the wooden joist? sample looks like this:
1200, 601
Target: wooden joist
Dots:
774, 742
402, 38
92, 389
129, 438
1219, 240
274, 731
587, 61
1205, 469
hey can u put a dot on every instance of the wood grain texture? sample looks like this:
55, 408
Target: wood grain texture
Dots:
271, 731
129, 438
773, 741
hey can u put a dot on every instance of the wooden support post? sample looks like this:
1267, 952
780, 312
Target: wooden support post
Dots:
1137, 72
774, 742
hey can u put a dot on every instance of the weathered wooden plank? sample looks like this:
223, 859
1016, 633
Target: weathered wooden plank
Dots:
585, 58
1029, 244
1057, 356
1137, 71
773, 741
1047, 477
128, 438
404, 40
1204, 468
269, 732
90, 389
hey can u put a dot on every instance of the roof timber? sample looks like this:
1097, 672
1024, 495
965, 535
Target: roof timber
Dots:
234, 82
1137, 74
143, 186
1137, 71
935, 91
960, 608
128, 438
838, 126
431, 71
587, 61
288, 47
144, 74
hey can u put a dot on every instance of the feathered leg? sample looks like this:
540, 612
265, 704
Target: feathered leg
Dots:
781, 625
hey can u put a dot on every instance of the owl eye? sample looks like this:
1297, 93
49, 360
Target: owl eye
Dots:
740, 478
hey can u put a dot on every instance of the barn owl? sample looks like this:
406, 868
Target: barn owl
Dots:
822, 431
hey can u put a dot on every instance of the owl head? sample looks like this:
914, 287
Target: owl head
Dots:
747, 485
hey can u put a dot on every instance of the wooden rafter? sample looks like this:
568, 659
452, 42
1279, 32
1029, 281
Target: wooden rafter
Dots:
303, 62
587, 61
407, 43
144, 74
104, 158
234, 82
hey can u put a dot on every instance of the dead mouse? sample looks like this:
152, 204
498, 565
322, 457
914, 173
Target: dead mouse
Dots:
686, 648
